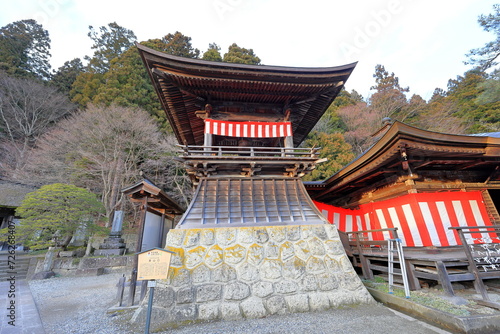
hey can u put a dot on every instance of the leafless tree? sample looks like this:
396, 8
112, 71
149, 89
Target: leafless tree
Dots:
104, 149
28, 108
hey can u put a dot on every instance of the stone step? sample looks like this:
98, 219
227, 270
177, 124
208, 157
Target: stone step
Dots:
21, 267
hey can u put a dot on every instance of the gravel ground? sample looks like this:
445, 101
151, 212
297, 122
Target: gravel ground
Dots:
79, 305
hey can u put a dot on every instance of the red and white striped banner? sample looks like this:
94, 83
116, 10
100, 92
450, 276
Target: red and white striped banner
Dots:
248, 129
422, 219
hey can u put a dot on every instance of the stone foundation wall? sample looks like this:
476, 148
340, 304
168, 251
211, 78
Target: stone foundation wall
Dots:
252, 272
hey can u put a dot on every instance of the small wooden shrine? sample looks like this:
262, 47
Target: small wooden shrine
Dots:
251, 243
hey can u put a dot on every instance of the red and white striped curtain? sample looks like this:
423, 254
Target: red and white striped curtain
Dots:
422, 219
248, 129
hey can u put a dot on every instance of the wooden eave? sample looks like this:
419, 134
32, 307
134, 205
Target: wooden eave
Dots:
425, 150
185, 85
144, 191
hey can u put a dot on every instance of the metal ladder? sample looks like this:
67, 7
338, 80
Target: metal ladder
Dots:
395, 245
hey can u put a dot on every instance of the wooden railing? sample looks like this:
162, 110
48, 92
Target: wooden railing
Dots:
482, 248
234, 151
357, 240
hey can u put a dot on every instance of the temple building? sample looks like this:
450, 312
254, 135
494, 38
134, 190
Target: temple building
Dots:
437, 193
251, 243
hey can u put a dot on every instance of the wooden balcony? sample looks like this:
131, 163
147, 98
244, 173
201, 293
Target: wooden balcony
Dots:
203, 161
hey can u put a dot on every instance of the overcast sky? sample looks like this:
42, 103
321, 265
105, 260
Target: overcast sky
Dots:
423, 42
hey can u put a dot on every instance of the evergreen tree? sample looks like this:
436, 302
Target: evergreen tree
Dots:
109, 43
66, 75
236, 54
24, 49
52, 214
213, 53
487, 56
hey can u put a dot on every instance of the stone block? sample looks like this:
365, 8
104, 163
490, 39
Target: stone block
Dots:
43, 275
185, 312
327, 281
177, 259
301, 250
208, 311
89, 272
248, 272
306, 232
207, 236
345, 264
253, 307
246, 235
293, 233
277, 233
192, 238
262, 289
297, 303
276, 305
271, 269
164, 297
286, 251
334, 247
309, 283
230, 311
285, 287
255, 254
214, 256
260, 235
272, 250
208, 292
236, 291
225, 236
319, 301
185, 295
319, 231
195, 256
175, 237
224, 273
316, 246
332, 265
67, 253
179, 277
331, 232
234, 254
200, 274
350, 282
315, 265
294, 268
109, 252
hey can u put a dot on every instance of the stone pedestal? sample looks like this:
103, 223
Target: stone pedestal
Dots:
114, 244
252, 272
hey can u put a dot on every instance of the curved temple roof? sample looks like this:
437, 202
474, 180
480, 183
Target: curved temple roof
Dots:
186, 85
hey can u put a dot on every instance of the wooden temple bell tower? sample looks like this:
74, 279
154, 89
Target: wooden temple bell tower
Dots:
251, 243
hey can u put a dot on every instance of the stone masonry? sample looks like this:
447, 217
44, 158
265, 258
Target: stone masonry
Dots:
252, 272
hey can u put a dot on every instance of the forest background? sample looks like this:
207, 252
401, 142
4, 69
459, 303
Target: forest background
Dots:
97, 122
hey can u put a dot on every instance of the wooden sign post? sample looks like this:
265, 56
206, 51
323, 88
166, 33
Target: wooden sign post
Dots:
152, 264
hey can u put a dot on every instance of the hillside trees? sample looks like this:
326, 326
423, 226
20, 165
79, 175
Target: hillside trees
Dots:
104, 149
28, 108
334, 148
